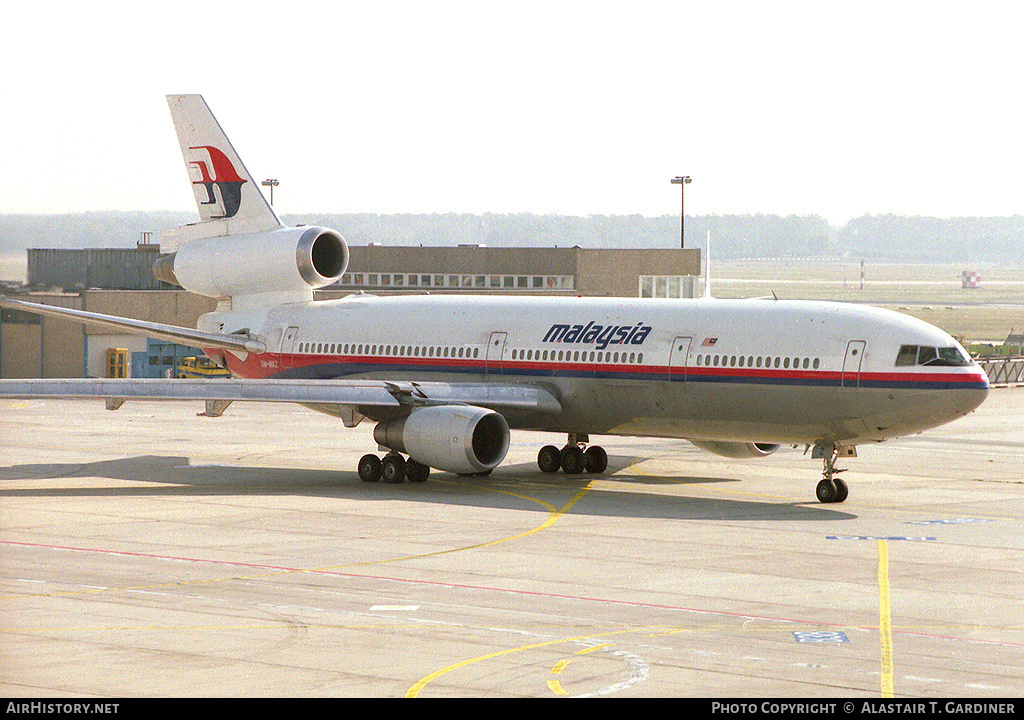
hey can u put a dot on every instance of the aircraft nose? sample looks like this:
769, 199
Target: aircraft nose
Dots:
966, 399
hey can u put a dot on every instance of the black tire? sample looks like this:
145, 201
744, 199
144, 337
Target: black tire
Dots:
392, 468
549, 459
595, 459
416, 471
826, 491
369, 468
842, 490
572, 460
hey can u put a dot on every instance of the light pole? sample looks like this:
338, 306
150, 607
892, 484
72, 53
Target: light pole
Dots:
270, 183
682, 181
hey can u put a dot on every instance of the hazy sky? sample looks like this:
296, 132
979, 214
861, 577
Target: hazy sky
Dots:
830, 108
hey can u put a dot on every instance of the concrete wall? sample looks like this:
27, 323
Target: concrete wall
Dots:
595, 272
615, 273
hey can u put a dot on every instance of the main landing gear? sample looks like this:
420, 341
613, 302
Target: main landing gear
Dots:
574, 458
392, 469
831, 489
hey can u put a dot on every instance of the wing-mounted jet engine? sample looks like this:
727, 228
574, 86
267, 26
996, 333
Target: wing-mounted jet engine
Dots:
736, 449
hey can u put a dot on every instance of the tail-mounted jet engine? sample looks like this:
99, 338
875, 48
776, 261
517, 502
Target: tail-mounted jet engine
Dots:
286, 260
461, 439
736, 449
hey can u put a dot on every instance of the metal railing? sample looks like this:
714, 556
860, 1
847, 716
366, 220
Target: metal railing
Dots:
1003, 371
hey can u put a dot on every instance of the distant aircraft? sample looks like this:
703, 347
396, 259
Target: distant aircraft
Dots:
445, 377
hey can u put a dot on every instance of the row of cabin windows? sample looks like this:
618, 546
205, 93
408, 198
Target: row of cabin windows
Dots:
755, 362
388, 350
578, 356
467, 352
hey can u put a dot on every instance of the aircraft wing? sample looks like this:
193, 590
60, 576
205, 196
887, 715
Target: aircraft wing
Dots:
235, 342
351, 399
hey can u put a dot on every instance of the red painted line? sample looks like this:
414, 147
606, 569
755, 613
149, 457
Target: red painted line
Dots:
484, 588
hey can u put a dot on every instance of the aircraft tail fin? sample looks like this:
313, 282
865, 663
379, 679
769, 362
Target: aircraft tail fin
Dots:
226, 195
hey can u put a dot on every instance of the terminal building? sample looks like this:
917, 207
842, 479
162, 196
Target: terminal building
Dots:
120, 282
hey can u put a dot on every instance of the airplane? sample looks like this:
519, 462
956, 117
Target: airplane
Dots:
446, 378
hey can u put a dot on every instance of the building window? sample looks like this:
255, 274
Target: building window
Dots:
666, 286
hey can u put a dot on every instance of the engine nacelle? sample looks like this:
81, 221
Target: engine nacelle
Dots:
286, 260
736, 449
456, 438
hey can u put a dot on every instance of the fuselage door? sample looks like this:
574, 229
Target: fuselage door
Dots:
852, 363
495, 353
288, 346
678, 358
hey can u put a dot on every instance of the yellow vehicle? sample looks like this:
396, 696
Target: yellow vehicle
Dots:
200, 367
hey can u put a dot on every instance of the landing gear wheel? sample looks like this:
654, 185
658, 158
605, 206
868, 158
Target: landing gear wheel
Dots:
827, 491
369, 468
842, 490
549, 459
595, 459
416, 471
572, 460
392, 468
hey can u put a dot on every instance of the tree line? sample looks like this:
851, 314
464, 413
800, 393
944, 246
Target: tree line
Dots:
873, 237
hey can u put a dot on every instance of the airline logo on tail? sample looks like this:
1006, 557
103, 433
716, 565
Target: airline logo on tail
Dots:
215, 170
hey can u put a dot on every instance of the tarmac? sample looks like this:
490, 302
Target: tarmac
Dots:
155, 552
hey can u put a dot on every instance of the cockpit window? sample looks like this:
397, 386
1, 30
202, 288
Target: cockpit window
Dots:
907, 355
952, 356
931, 356
926, 355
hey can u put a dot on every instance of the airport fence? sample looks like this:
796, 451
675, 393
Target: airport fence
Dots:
1003, 371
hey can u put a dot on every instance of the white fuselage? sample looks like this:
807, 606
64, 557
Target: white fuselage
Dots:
721, 370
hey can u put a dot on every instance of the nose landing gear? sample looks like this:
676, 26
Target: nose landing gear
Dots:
831, 489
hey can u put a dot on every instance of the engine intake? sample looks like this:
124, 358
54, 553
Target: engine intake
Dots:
456, 438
